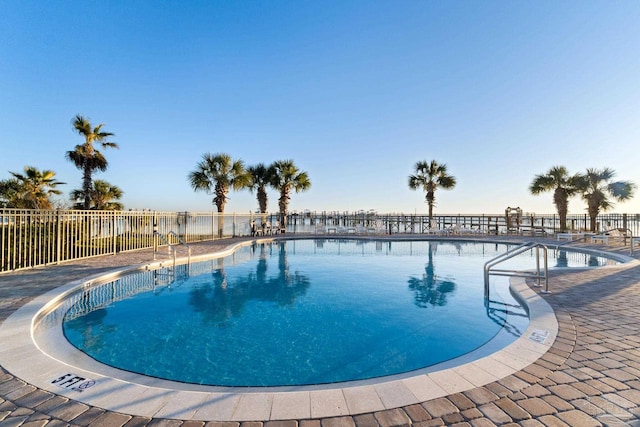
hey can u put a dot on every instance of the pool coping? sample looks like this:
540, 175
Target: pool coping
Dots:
21, 356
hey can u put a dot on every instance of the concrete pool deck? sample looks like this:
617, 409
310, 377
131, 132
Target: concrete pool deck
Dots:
589, 375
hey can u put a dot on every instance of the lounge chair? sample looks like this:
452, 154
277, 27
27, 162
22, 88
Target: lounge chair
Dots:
433, 227
470, 230
614, 233
454, 229
569, 236
360, 229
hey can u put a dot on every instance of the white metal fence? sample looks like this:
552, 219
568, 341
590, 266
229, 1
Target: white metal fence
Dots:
31, 238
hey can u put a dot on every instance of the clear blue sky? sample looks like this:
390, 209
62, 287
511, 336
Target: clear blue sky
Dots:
355, 92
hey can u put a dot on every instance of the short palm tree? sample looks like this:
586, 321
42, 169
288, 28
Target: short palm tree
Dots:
261, 177
430, 176
217, 174
597, 187
287, 178
86, 157
563, 185
104, 196
31, 190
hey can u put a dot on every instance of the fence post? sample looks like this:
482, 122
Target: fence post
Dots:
113, 232
185, 228
155, 233
58, 236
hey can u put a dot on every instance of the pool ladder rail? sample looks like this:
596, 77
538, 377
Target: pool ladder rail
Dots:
499, 312
172, 250
167, 278
538, 274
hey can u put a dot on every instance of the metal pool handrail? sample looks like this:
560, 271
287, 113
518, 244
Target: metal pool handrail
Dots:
172, 248
173, 233
625, 231
515, 273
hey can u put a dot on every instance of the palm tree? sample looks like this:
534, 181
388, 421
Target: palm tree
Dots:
31, 190
9, 192
563, 186
596, 188
261, 176
288, 177
217, 174
104, 196
429, 177
86, 157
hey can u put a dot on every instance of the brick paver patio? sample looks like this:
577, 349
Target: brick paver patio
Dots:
590, 376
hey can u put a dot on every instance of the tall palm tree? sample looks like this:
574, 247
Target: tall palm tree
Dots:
261, 177
86, 157
430, 176
563, 185
104, 196
31, 190
217, 174
597, 187
288, 177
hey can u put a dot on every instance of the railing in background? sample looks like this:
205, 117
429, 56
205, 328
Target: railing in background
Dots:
31, 238
526, 224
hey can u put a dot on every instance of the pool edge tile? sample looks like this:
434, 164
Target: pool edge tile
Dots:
363, 399
181, 405
252, 407
217, 406
424, 387
292, 405
475, 375
328, 403
395, 394
451, 381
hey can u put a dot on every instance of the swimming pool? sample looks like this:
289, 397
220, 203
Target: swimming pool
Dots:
274, 314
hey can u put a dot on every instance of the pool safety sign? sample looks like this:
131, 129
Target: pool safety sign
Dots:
74, 382
539, 335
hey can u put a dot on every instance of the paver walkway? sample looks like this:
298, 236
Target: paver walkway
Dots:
590, 377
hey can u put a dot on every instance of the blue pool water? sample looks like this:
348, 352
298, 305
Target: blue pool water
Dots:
301, 312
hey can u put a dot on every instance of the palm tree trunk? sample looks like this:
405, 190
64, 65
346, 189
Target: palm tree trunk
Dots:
430, 202
562, 205
283, 204
562, 213
86, 187
593, 216
262, 199
220, 201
